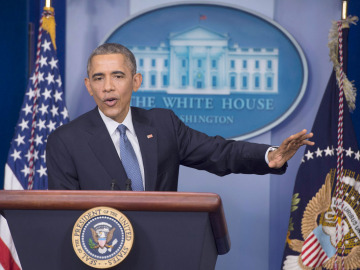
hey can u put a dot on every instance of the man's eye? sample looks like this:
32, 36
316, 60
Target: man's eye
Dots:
97, 78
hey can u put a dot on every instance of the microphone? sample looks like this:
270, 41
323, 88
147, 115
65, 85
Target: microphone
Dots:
113, 183
128, 184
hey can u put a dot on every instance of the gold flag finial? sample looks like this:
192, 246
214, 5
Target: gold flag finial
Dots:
344, 10
48, 22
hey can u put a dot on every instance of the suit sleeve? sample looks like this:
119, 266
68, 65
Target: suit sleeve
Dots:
60, 166
218, 155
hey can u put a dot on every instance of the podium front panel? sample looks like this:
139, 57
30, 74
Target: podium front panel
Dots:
162, 240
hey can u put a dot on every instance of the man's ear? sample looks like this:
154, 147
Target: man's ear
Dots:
137, 80
88, 87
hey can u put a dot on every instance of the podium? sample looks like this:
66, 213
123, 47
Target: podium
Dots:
172, 230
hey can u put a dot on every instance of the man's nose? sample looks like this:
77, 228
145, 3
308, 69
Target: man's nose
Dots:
108, 86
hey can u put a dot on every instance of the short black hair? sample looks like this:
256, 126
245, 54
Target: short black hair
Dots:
114, 48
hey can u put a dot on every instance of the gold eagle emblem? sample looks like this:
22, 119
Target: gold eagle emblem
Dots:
101, 238
319, 205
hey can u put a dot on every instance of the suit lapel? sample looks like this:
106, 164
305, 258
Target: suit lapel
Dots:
147, 137
104, 150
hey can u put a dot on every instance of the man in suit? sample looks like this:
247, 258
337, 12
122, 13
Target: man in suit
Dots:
87, 152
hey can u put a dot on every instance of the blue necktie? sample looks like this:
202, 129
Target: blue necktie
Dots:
129, 160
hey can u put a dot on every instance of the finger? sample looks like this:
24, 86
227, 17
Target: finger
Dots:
298, 144
296, 137
304, 140
304, 137
307, 136
300, 135
311, 143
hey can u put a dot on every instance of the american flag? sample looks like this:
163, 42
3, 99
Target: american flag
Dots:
43, 110
8, 255
202, 17
318, 236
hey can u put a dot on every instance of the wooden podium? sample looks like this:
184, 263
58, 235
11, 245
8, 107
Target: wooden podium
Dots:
172, 230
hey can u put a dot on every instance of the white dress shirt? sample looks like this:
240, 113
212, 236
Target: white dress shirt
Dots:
112, 126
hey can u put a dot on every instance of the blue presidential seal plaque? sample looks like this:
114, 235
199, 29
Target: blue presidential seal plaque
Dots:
102, 237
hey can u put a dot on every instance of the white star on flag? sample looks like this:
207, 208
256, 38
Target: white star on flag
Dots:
20, 140
318, 152
43, 156
26, 170
43, 109
328, 151
38, 139
58, 80
27, 109
349, 152
33, 78
309, 155
50, 78
51, 126
35, 155
41, 77
42, 171
23, 124
43, 61
54, 110
53, 63
65, 113
46, 94
46, 45
30, 94
16, 155
57, 96
41, 124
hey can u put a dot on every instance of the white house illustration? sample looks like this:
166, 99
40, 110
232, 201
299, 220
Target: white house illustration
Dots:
200, 61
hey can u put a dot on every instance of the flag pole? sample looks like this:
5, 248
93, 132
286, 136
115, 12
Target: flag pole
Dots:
344, 9
48, 3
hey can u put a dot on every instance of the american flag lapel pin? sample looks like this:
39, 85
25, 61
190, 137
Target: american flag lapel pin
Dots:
150, 136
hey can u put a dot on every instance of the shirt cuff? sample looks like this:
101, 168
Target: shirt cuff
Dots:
270, 149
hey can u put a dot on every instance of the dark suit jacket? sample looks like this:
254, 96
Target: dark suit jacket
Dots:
81, 154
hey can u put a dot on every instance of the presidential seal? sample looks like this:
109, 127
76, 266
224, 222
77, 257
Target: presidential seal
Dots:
102, 237
320, 243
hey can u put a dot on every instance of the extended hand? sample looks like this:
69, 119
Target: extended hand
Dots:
288, 148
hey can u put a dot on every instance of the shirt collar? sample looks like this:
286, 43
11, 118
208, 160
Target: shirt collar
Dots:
112, 125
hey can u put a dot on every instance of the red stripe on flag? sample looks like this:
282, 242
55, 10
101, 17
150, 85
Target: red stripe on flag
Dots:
325, 258
304, 259
321, 258
6, 259
315, 257
310, 244
310, 237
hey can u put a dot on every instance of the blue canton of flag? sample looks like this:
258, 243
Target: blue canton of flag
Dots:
47, 103
313, 241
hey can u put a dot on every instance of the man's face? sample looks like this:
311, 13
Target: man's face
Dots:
111, 83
